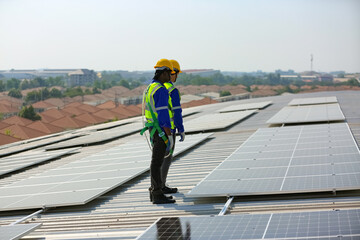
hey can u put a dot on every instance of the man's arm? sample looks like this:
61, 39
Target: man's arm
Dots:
175, 100
161, 98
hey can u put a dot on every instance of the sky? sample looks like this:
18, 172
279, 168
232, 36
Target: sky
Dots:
226, 35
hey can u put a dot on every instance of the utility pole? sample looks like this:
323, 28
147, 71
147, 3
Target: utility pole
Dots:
311, 63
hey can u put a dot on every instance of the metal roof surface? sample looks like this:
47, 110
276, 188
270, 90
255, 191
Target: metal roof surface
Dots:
125, 212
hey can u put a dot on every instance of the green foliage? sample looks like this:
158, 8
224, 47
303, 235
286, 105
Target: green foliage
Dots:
224, 93
73, 92
8, 132
12, 83
95, 90
55, 93
29, 113
1, 116
353, 82
2, 86
124, 83
15, 93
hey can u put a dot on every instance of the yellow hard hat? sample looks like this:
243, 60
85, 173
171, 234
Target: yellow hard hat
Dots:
175, 65
163, 64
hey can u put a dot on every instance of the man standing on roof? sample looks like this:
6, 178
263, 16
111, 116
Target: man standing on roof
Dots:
159, 125
175, 113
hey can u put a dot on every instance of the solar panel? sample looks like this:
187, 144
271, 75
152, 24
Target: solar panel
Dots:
99, 136
19, 161
311, 101
304, 114
31, 144
245, 106
85, 179
13, 232
215, 121
335, 224
294, 159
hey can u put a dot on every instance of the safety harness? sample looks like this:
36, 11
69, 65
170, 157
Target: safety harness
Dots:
153, 125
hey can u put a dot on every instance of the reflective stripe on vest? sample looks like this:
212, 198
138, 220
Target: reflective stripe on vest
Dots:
149, 98
170, 87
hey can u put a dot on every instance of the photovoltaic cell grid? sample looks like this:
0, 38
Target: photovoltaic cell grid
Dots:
85, 179
19, 161
26, 145
304, 114
308, 158
99, 136
341, 224
245, 106
215, 121
311, 101
14, 232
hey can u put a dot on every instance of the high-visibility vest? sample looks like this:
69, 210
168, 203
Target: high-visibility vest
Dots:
149, 100
170, 87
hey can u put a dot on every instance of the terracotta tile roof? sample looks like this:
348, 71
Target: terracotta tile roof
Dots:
93, 98
134, 108
11, 102
55, 113
73, 104
107, 105
3, 125
135, 92
17, 120
73, 110
43, 104
88, 108
264, 92
44, 127
46, 118
8, 109
90, 118
125, 111
22, 132
68, 122
200, 102
117, 90
55, 101
109, 115
5, 139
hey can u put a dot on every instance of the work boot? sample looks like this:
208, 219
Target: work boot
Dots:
167, 190
151, 196
162, 199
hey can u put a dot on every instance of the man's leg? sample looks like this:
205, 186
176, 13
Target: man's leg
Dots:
157, 159
165, 170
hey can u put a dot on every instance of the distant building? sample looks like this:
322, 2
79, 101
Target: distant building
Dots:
81, 77
201, 72
326, 78
289, 72
290, 77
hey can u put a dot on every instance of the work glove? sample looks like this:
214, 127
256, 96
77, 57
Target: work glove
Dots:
182, 136
170, 144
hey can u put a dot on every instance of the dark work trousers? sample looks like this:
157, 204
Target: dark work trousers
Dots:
157, 159
166, 164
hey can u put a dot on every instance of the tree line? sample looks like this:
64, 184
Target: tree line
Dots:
111, 79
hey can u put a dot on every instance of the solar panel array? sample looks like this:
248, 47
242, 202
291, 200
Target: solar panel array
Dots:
311, 101
13, 232
341, 224
36, 144
245, 106
215, 121
99, 136
305, 114
294, 159
20, 161
85, 179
